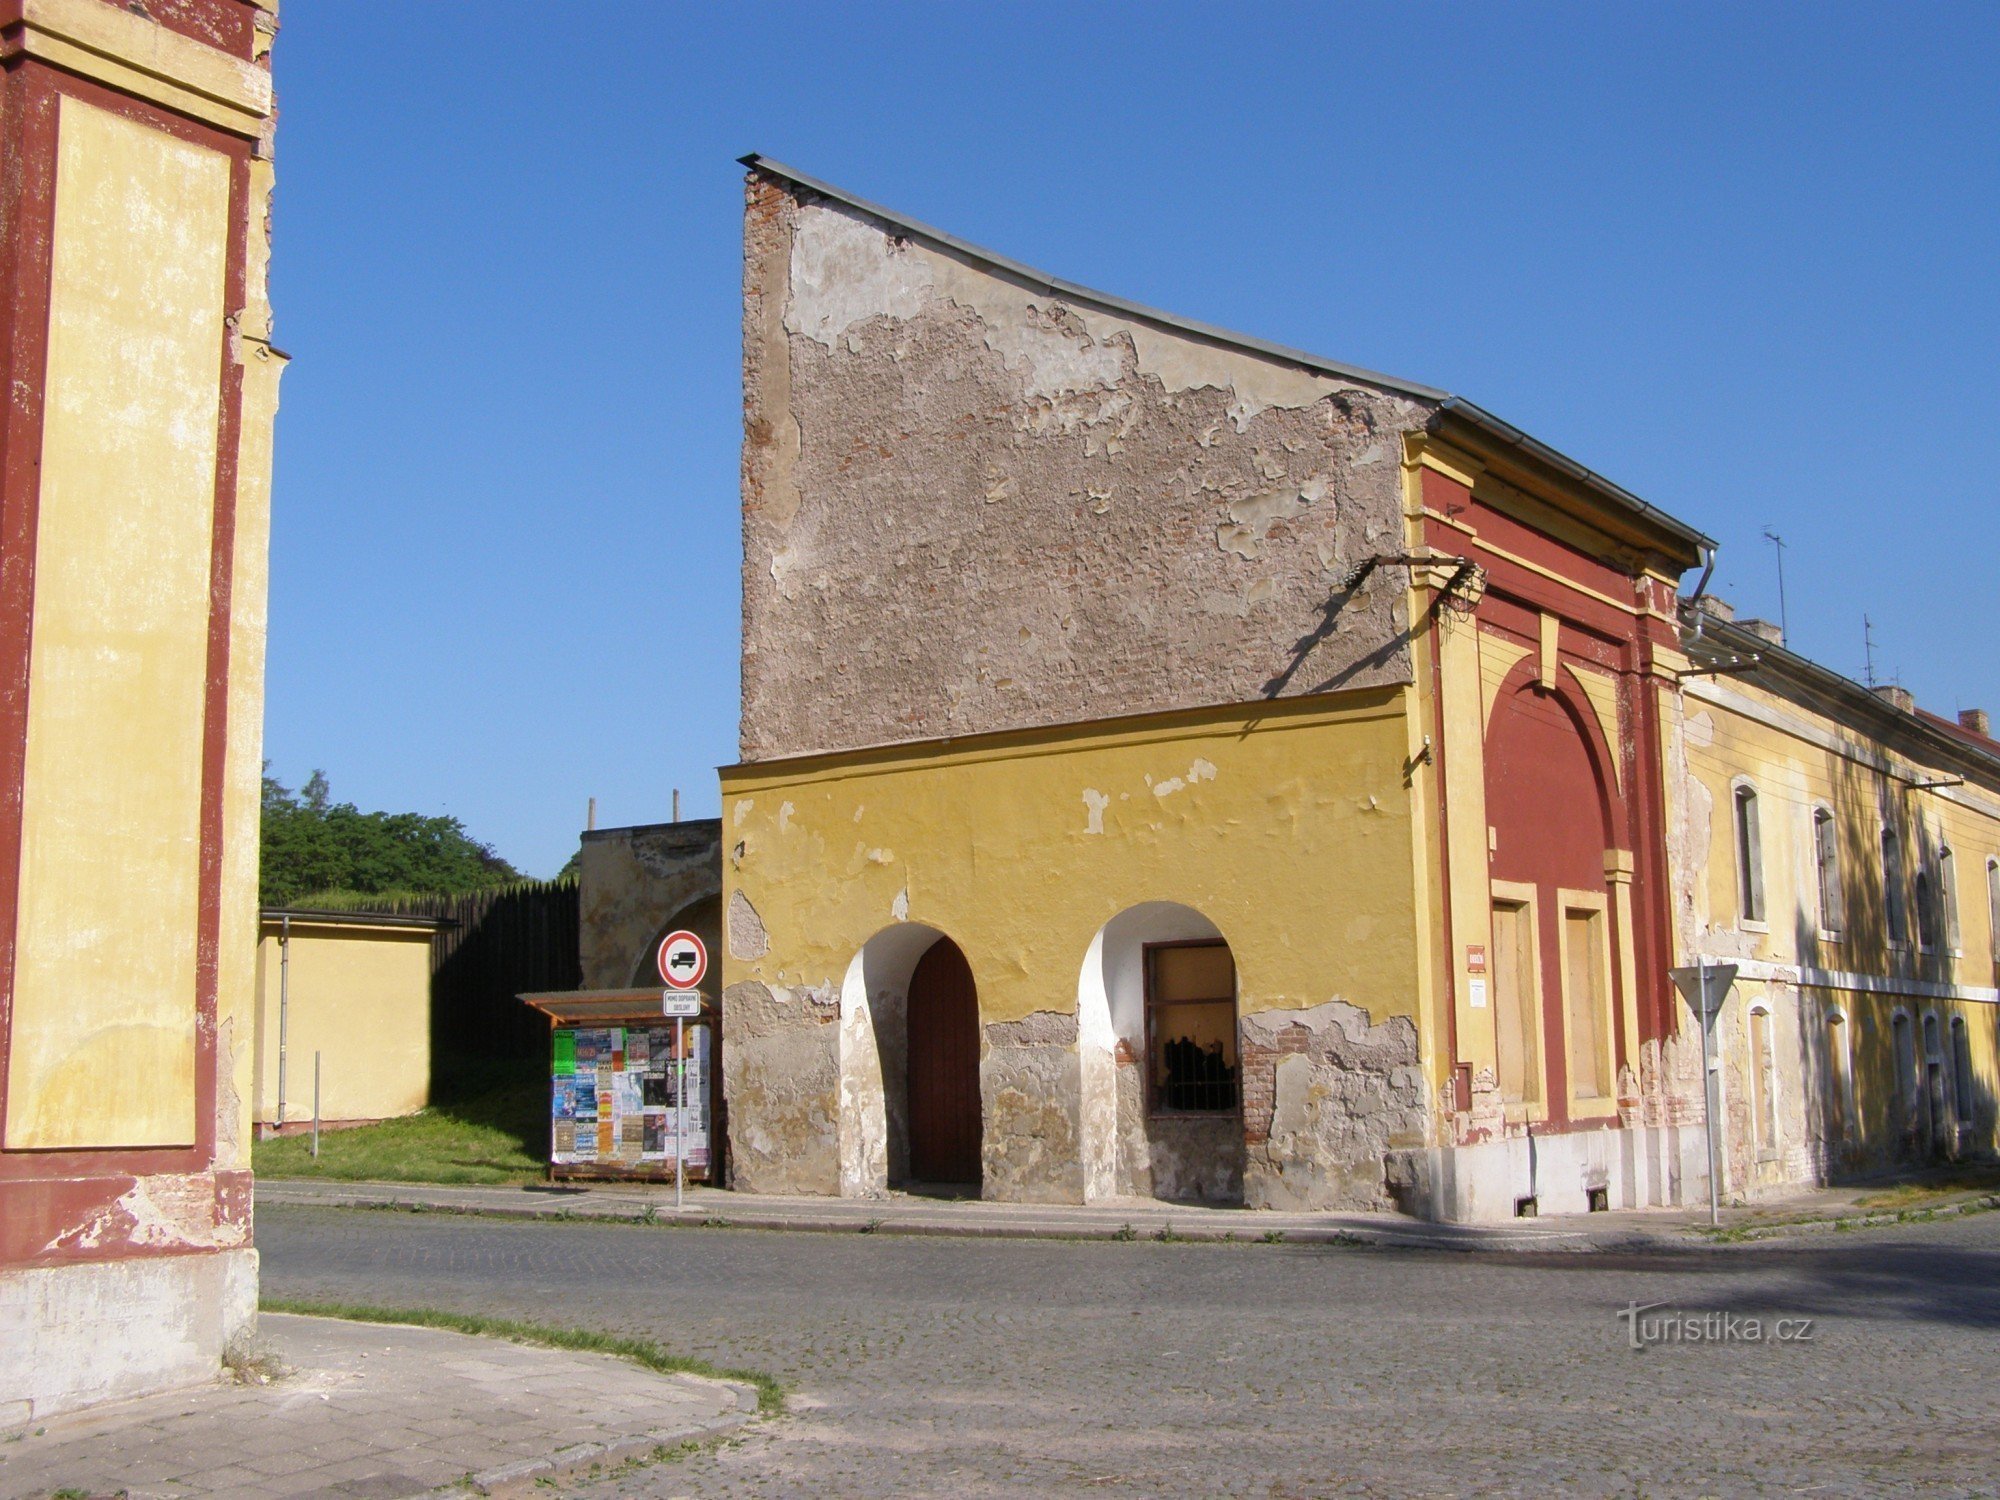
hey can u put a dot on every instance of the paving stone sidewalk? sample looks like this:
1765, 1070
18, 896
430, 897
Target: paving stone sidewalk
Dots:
375, 1412
1648, 1230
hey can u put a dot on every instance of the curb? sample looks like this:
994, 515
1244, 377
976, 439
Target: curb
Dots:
566, 1462
1414, 1237
1835, 1223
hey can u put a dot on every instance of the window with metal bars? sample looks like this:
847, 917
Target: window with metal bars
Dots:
1192, 1062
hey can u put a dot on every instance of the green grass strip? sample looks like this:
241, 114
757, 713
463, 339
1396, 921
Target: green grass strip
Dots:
770, 1395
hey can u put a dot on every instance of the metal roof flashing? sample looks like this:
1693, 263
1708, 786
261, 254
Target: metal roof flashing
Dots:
1041, 281
1931, 728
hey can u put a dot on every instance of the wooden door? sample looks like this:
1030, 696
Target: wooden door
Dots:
944, 1068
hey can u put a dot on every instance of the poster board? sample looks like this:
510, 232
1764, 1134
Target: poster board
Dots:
612, 1091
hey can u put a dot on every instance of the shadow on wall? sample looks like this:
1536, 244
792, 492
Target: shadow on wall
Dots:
1888, 1081
1187, 1146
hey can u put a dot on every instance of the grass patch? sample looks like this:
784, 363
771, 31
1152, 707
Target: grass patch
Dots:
770, 1395
1934, 1188
488, 1126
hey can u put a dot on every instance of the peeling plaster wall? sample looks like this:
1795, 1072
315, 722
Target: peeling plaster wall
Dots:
781, 1061
1272, 823
1328, 1095
1030, 1089
1799, 756
634, 882
971, 506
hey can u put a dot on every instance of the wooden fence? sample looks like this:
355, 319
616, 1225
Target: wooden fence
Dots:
500, 943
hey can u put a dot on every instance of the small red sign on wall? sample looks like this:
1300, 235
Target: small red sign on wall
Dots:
1475, 958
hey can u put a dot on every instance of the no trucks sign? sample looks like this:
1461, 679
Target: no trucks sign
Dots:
683, 960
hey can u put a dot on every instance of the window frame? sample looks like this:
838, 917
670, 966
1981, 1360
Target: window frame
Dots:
1154, 1109
1949, 934
1526, 896
1763, 1072
1827, 875
1597, 903
1895, 899
1747, 836
1839, 1031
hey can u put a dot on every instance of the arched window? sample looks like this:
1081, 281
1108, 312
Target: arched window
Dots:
1935, 1096
1961, 1072
1947, 895
1826, 859
1927, 911
1993, 912
1840, 1078
1763, 1081
1191, 1027
1895, 917
1903, 1053
1749, 856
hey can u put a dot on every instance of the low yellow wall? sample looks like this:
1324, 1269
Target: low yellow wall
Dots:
360, 997
1288, 827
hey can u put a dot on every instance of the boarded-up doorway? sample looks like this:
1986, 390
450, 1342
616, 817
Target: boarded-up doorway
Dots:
944, 1068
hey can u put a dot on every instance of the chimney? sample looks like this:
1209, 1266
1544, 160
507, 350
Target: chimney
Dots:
1718, 608
1977, 720
1901, 697
1764, 630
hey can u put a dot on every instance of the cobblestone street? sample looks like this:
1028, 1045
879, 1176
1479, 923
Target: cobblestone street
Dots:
955, 1367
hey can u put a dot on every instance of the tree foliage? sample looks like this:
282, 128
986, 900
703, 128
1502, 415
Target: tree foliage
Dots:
313, 844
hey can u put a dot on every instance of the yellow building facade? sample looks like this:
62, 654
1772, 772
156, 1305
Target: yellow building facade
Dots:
343, 1018
1842, 849
1133, 717
134, 521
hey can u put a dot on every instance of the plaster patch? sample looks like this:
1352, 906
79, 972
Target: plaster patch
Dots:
747, 938
845, 271
1094, 803
900, 907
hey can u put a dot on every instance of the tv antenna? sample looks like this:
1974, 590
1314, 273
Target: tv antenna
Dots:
1784, 624
1868, 650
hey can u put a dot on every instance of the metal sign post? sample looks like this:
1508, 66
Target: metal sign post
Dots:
680, 1110
1704, 986
683, 961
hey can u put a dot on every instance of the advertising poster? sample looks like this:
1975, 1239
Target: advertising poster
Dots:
613, 1095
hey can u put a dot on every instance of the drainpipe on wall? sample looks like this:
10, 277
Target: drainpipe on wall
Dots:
284, 1006
1707, 572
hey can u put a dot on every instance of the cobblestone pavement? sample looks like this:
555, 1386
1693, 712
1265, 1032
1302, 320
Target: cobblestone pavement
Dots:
975, 1367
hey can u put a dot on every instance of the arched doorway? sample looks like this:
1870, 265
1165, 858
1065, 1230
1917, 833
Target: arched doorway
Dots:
943, 1063
1158, 1059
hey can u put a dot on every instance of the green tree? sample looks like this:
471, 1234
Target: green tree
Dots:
312, 844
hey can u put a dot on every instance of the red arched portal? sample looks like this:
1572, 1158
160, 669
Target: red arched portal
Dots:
1552, 803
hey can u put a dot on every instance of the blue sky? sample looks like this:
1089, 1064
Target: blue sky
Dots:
1740, 259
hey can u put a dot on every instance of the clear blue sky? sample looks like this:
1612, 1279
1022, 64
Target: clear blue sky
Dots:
1741, 259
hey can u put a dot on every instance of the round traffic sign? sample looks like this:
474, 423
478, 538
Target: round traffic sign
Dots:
683, 960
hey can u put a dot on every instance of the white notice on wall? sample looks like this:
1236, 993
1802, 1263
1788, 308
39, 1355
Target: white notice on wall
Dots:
1478, 993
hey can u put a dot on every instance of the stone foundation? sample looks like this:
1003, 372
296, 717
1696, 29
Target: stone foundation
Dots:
1326, 1097
77, 1335
1648, 1167
1030, 1089
781, 1057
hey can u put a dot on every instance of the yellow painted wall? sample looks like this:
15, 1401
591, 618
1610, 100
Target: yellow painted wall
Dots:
104, 991
360, 996
242, 794
1792, 775
1797, 761
1288, 827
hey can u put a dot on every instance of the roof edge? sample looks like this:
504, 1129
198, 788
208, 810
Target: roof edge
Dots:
1470, 411
1043, 281
1933, 729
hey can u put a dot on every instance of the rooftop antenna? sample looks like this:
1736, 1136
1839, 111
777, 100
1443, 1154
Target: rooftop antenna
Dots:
1784, 624
1868, 648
